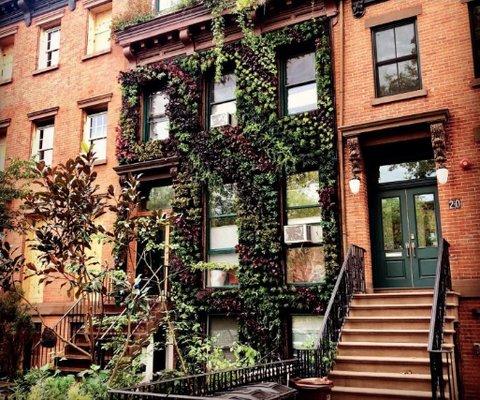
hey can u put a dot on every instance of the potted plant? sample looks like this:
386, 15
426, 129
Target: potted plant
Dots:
218, 272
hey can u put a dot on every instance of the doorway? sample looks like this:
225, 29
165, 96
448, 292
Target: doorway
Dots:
405, 223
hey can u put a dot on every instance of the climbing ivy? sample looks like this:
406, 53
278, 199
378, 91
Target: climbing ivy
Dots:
255, 154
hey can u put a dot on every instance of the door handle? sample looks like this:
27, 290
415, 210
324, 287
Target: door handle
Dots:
408, 248
414, 248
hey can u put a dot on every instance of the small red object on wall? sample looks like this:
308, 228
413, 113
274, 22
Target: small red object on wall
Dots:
465, 164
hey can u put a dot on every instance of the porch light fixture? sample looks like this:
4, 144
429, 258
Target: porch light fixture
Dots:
442, 175
354, 185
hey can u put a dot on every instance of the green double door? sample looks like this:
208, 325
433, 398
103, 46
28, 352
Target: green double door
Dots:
406, 237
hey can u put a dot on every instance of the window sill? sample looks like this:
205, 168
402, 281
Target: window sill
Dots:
103, 161
399, 97
6, 81
45, 70
97, 54
475, 83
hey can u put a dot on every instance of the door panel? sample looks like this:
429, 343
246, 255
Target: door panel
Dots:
407, 233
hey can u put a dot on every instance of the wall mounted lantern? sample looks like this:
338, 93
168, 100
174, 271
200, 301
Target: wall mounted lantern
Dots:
437, 131
355, 164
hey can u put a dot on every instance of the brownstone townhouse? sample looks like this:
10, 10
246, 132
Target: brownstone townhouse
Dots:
288, 140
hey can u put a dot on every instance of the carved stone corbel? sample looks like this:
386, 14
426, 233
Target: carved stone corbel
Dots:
27, 12
128, 53
437, 131
354, 156
358, 8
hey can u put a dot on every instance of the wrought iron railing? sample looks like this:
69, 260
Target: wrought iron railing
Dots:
350, 280
207, 384
441, 359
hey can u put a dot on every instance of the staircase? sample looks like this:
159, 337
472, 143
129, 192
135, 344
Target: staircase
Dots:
382, 353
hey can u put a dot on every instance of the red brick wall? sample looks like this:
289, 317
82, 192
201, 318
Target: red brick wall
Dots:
447, 71
74, 80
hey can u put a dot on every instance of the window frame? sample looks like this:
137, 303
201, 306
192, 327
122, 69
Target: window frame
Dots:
221, 315
475, 42
3, 64
3, 148
286, 208
47, 42
284, 87
171, 7
396, 61
300, 314
210, 89
147, 99
38, 149
92, 29
88, 129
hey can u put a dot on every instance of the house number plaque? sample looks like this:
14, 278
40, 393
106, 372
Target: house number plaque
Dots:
454, 204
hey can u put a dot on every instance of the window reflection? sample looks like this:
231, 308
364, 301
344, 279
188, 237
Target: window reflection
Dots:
426, 220
392, 224
406, 171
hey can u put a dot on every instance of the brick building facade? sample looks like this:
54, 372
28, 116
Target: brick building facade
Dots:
384, 123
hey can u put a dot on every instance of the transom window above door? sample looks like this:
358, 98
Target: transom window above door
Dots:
157, 123
300, 86
406, 171
396, 58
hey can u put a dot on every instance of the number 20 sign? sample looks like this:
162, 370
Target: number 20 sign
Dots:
454, 204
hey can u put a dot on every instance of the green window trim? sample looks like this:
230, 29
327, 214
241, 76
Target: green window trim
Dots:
147, 118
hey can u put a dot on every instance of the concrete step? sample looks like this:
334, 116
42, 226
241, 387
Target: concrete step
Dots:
400, 297
401, 310
391, 335
399, 365
393, 323
356, 393
379, 349
381, 380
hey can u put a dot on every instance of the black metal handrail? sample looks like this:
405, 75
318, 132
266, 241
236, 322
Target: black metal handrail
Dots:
207, 384
350, 280
439, 356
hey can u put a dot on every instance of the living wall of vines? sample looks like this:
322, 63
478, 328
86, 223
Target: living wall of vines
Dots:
255, 154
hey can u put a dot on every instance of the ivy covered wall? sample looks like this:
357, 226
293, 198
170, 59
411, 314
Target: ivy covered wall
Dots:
255, 154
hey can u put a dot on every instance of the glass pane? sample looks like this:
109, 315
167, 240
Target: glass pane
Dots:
98, 126
229, 107
301, 69
405, 39
387, 78
226, 258
302, 98
426, 221
223, 201
159, 129
46, 137
311, 214
158, 104
53, 38
160, 198
99, 146
225, 89
305, 264
302, 189
47, 156
407, 171
385, 45
305, 331
54, 56
408, 78
392, 224
223, 237
224, 329
166, 4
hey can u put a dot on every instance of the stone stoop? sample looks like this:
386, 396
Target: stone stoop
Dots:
382, 353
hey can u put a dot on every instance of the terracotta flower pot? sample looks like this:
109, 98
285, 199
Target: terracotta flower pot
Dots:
218, 277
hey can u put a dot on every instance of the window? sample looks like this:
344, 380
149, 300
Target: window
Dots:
157, 124
224, 330
396, 59
49, 47
300, 86
305, 261
159, 197
43, 143
223, 235
474, 9
99, 29
162, 5
96, 134
3, 148
6, 63
305, 331
222, 96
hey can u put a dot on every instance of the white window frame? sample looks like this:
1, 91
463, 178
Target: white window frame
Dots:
6, 65
93, 29
89, 130
46, 51
39, 150
3, 149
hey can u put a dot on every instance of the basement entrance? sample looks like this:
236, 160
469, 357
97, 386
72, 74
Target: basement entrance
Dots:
404, 217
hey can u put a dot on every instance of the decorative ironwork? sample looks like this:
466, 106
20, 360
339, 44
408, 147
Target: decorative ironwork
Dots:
350, 280
437, 131
440, 357
355, 156
358, 8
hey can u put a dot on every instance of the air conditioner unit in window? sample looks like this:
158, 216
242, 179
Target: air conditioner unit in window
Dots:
223, 119
297, 233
